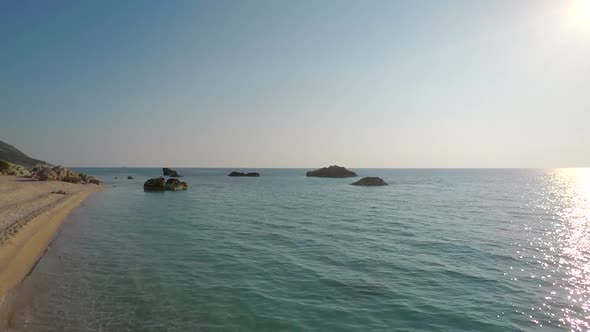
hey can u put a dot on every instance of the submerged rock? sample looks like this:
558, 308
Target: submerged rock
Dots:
170, 172
332, 172
370, 181
162, 184
253, 174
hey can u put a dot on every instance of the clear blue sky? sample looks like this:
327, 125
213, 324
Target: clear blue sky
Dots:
297, 83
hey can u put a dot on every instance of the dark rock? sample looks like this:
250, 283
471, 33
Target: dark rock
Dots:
162, 184
370, 181
175, 184
170, 172
155, 184
332, 172
253, 174
130, 177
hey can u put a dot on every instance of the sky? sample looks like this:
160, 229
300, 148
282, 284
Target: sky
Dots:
421, 83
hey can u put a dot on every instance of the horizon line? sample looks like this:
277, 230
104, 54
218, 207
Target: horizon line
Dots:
315, 167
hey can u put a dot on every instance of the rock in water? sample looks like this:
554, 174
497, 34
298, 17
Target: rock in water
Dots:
161, 184
130, 177
154, 184
332, 172
370, 181
253, 174
175, 184
170, 172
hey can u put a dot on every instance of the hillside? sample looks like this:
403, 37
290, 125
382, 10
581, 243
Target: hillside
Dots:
11, 154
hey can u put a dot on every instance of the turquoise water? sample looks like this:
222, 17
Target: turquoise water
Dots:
437, 250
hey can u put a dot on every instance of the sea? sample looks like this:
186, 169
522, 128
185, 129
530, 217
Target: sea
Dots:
436, 250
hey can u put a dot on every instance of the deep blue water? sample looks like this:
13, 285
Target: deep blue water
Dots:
437, 250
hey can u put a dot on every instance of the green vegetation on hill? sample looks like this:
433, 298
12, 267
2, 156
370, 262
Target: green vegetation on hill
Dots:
13, 155
4, 166
7, 168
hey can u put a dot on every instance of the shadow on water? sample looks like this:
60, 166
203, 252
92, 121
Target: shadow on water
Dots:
151, 191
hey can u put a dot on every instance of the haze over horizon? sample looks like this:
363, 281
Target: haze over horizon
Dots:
297, 84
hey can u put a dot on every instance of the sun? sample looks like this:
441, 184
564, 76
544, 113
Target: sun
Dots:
583, 9
579, 12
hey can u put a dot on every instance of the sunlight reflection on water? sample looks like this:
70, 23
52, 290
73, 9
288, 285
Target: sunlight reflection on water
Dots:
564, 248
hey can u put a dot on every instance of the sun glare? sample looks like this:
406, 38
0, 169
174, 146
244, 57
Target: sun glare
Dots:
579, 13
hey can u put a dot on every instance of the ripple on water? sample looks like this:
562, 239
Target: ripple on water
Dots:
454, 250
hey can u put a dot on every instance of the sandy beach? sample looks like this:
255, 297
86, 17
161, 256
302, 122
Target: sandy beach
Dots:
30, 214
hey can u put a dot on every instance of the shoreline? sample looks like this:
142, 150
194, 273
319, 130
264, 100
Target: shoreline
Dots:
31, 213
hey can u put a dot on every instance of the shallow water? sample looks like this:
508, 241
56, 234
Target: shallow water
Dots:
444, 250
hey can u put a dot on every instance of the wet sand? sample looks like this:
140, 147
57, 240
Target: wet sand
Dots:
31, 212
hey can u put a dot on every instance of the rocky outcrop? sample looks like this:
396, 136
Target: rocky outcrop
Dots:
332, 172
155, 184
7, 168
370, 181
170, 172
130, 177
175, 184
59, 173
238, 174
160, 184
